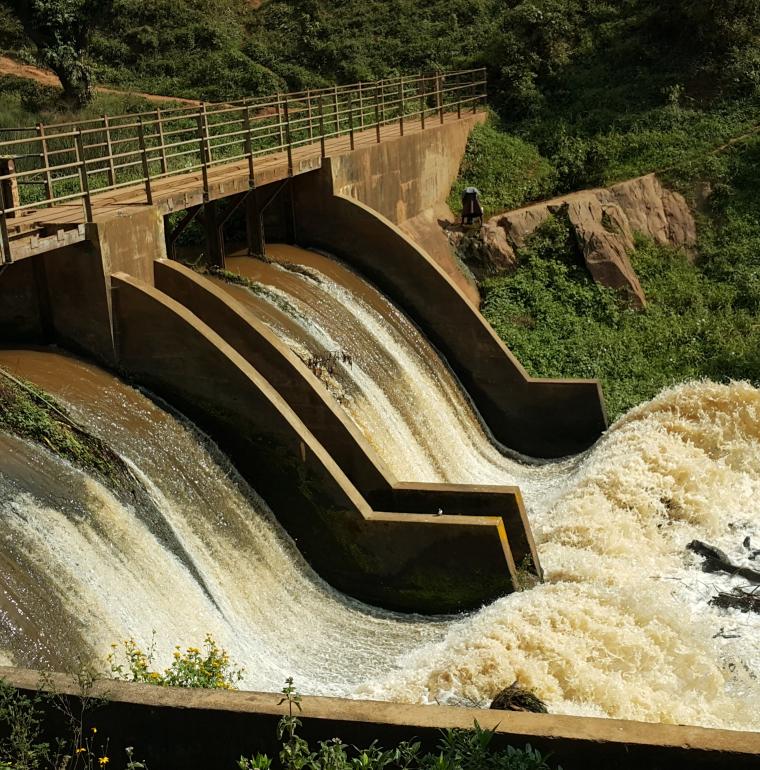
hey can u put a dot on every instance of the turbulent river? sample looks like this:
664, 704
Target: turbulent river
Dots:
621, 627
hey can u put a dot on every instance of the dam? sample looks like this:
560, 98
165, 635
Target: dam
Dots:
348, 478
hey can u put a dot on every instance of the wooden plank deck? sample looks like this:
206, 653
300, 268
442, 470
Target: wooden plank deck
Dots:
44, 229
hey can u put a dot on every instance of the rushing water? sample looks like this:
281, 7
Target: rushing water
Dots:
81, 570
622, 627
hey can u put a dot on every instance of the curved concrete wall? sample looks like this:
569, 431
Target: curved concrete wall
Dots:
306, 395
289, 376
541, 418
176, 729
404, 561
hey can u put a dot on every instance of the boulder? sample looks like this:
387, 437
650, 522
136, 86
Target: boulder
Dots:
485, 251
605, 239
605, 222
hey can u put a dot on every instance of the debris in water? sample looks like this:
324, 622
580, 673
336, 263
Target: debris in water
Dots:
717, 561
738, 599
517, 698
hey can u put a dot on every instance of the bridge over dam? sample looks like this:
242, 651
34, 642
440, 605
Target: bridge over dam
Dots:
92, 217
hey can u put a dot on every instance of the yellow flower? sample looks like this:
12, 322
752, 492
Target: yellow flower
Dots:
80, 750
103, 761
94, 730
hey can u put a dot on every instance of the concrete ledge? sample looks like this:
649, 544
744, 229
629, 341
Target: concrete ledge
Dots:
541, 418
404, 561
470, 500
174, 728
306, 395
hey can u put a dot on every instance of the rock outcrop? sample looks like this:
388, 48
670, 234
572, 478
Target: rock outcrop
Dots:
605, 221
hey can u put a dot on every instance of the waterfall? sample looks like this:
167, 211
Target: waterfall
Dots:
622, 627
88, 571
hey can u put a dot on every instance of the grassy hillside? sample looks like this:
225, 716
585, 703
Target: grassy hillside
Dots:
584, 92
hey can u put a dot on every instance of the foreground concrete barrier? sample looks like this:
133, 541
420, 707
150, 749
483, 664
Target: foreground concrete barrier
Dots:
414, 562
306, 395
176, 729
538, 417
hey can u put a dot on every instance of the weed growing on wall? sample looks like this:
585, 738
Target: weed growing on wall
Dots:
457, 750
29, 413
208, 666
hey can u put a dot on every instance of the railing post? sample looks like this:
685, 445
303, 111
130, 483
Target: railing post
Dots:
206, 132
309, 114
286, 112
5, 241
350, 120
382, 101
83, 178
160, 129
474, 98
204, 161
401, 105
249, 146
109, 151
145, 161
439, 94
361, 107
279, 121
10, 186
377, 114
322, 126
46, 163
336, 105
422, 101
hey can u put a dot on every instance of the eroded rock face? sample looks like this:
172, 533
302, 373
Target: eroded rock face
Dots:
604, 221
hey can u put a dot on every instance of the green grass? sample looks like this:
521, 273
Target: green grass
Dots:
701, 319
29, 413
507, 170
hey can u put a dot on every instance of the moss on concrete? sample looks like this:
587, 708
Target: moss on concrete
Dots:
31, 414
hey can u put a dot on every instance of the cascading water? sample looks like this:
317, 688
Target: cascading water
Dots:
622, 627
82, 570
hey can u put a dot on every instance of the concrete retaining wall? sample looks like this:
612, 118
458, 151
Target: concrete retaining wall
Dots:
404, 561
542, 418
405, 176
175, 729
408, 180
20, 317
306, 395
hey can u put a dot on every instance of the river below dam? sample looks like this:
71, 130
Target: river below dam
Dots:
621, 627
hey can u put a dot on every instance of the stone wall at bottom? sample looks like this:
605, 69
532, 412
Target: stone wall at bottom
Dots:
175, 729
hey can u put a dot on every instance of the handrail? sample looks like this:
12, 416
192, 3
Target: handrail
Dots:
116, 151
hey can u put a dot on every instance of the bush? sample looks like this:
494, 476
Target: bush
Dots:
209, 667
508, 171
457, 750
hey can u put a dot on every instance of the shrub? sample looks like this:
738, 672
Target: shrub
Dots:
457, 750
206, 667
507, 171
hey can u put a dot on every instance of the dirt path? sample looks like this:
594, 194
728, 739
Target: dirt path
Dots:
10, 66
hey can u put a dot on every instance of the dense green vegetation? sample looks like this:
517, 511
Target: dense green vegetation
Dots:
28, 412
584, 92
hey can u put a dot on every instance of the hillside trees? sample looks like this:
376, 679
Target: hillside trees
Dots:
722, 35
61, 31
192, 48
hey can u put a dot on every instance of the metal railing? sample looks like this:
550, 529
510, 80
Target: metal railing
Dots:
50, 165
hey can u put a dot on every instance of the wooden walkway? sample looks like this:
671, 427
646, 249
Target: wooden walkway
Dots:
306, 132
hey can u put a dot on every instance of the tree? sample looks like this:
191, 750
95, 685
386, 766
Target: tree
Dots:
61, 30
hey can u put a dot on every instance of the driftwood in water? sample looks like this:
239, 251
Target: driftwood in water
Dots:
717, 561
738, 599
517, 698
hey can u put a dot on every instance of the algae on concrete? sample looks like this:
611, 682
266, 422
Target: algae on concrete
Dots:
30, 413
